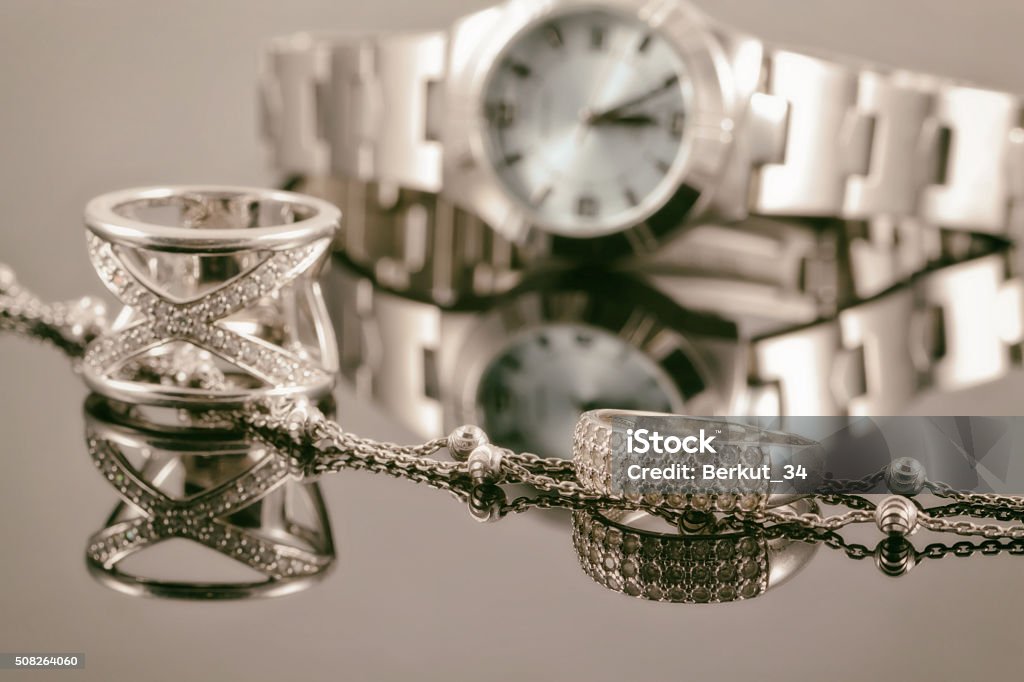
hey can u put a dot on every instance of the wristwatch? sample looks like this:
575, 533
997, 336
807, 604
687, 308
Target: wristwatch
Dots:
525, 365
537, 131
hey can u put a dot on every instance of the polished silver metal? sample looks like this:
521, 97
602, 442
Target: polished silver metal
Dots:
293, 75
484, 464
896, 515
772, 131
421, 242
630, 552
947, 329
465, 439
226, 273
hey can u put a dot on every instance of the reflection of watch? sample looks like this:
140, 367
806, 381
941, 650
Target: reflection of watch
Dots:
527, 366
528, 363
579, 128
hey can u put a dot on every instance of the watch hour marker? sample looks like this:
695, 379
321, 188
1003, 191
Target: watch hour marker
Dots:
597, 36
631, 197
553, 36
501, 114
645, 43
663, 166
518, 68
678, 122
513, 158
586, 205
511, 363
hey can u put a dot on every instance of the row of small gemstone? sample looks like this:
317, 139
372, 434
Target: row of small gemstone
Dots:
106, 461
592, 453
668, 549
275, 560
261, 281
168, 518
640, 567
258, 283
191, 321
277, 365
107, 350
252, 485
121, 282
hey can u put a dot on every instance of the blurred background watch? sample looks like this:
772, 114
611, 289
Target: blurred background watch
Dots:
532, 133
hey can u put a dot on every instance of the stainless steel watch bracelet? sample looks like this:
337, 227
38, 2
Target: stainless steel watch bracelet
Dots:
825, 138
419, 242
947, 329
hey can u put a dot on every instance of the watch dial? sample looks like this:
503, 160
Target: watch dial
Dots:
532, 393
586, 114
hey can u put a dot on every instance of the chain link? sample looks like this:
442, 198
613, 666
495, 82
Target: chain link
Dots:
70, 325
947, 491
856, 485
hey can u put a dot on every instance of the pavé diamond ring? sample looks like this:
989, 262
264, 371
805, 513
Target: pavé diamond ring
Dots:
225, 274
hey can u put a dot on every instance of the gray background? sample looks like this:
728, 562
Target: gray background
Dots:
100, 95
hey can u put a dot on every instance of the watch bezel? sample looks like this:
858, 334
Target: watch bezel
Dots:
471, 179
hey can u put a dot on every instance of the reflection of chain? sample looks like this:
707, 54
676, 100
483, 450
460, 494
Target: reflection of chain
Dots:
316, 445
68, 325
896, 556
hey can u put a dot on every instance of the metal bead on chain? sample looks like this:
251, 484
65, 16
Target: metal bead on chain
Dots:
485, 465
464, 440
895, 556
896, 515
905, 476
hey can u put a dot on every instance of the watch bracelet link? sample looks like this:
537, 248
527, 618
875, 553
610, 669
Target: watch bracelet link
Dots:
948, 328
861, 142
838, 140
419, 243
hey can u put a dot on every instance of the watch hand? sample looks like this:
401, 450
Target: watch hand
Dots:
614, 112
632, 120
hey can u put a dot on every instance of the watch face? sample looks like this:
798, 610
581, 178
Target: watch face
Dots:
585, 114
532, 393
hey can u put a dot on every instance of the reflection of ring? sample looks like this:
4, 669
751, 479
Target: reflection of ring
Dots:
231, 495
220, 279
618, 551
